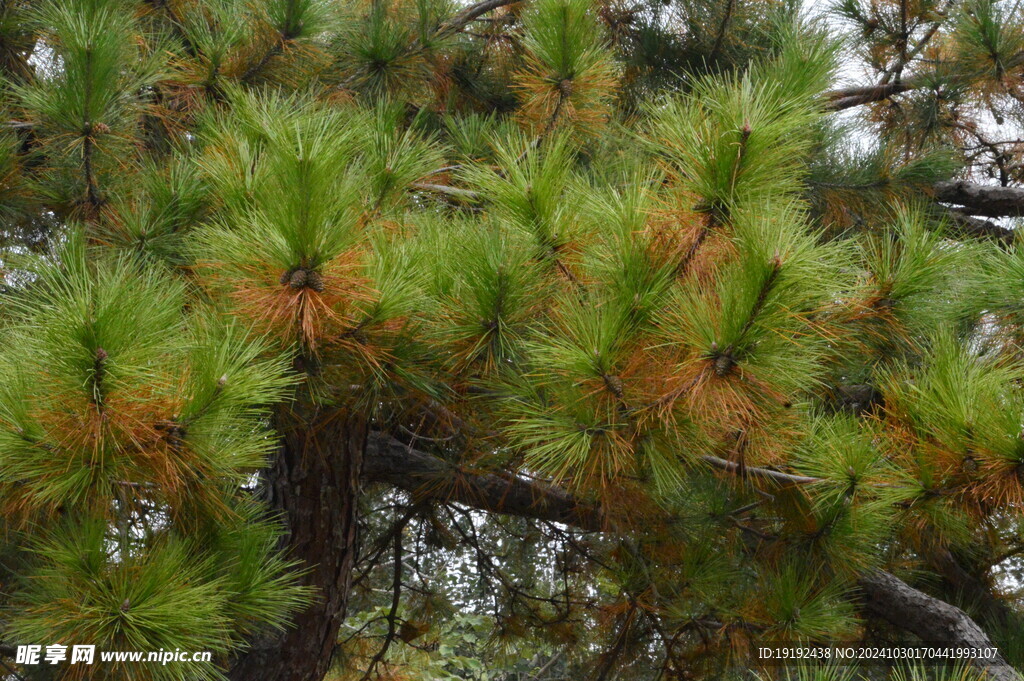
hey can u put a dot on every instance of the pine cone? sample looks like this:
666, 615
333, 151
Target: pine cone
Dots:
315, 281
724, 364
298, 279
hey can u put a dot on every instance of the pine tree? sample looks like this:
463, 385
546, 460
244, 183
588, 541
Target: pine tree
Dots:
555, 338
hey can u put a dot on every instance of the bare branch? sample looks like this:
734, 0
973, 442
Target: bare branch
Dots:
767, 473
838, 100
979, 199
470, 14
425, 476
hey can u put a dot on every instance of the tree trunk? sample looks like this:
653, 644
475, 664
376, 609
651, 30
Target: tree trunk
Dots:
314, 485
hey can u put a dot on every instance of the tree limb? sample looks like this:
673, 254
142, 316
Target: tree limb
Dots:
777, 476
847, 98
980, 199
965, 225
426, 476
471, 13
928, 618
968, 198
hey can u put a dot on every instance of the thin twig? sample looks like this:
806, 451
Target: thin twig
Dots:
396, 598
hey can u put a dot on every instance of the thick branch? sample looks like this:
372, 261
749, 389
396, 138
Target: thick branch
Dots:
981, 199
932, 620
968, 226
471, 13
847, 98
426, 476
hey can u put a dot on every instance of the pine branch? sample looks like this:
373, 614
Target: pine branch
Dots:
847, 98
767, 473
450, 27
609, 658
684, 264
921, 44
979, 199
423, 475
969, 197
965, 225
886, 596
932, 620
838, 100
87, 140
762, 297
468, 15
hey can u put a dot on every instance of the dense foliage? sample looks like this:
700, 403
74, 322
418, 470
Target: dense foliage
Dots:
541, 340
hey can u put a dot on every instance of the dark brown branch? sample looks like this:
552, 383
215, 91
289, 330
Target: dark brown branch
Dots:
847, 98
392, 616
425, 476
921, 44
932, 620
684, 265
470, 14
965, 225
721, 30
609, 658
759, 303
857, 398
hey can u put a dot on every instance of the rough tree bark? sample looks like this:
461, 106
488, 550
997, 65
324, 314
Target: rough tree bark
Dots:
314, 484
427, 477
928, 618
980, 199
838, 100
